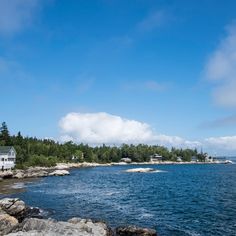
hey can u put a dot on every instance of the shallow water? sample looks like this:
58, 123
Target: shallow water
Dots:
181, 200
11, 186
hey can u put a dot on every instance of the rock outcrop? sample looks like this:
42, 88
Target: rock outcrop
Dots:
37, 173
80, 227
13, 206
7, 223
16, 220
135, 231
6, 174
59, 173
18, 209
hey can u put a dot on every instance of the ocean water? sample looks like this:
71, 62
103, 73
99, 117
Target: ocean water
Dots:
179, 200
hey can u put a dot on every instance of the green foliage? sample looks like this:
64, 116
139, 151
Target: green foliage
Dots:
45, 152
40, 160
5, 138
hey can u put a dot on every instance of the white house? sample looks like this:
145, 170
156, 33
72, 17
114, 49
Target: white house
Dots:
156, 157
179, 159
126, 159
7, 157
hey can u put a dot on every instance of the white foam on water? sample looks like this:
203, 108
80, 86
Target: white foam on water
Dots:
185, 231
110, 193
146, 215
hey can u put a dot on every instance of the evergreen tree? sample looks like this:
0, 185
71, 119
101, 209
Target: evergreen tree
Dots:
5, 138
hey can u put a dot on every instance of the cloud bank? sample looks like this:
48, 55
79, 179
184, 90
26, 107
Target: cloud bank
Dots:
103, 128
221, 70
227, 143
99, 128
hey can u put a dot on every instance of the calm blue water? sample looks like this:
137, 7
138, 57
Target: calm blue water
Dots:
181, 200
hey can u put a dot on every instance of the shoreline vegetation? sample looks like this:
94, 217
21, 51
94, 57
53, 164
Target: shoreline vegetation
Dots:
46, 157
32, 151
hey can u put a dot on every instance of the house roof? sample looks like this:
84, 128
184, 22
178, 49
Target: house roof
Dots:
6, 149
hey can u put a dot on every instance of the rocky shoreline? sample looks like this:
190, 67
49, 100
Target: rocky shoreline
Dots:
61, 169
18, 219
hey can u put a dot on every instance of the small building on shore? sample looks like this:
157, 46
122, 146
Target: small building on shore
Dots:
156, 157
208, 158
7, 157
126, 160
194, 159
179, 159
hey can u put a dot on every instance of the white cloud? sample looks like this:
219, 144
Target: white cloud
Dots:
15, 15
222, 143
221, 69
99, 128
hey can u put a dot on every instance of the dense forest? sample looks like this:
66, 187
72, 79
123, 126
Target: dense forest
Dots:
46, 152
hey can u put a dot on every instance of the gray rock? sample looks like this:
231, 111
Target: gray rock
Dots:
7, 223
19, 174
59, 173
34, 227
135, 231
13, 206
6, 174
36, 174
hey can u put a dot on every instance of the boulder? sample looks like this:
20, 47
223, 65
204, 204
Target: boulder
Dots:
13, 206
59, 173
19, 174
7, 223
32, 212
61, 166
6, 174
135, 231
35, 227
36, 174
91, 224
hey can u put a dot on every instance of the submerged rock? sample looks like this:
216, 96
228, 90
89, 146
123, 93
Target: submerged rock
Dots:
135, 231
141, 170
59, 173
35, 227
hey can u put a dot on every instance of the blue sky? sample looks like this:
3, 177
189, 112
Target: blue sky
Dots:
113, 71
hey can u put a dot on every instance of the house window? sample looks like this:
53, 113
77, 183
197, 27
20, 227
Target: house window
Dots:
2, 159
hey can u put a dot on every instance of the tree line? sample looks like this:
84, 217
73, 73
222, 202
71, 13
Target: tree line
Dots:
32, 151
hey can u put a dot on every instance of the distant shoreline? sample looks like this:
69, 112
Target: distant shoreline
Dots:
8, 179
